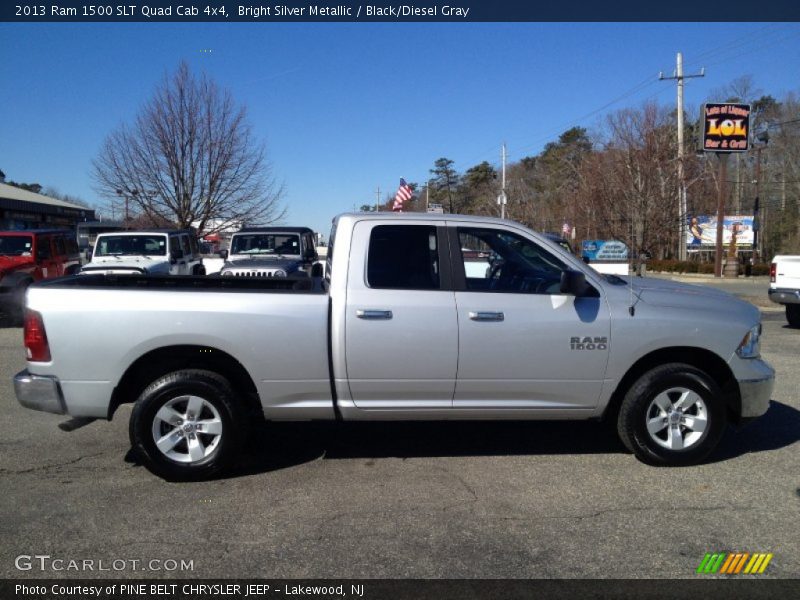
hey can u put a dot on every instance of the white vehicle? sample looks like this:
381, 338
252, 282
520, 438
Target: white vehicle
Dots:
784, 286
155, 252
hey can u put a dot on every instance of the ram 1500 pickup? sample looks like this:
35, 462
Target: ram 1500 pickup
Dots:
403, 325
784, 286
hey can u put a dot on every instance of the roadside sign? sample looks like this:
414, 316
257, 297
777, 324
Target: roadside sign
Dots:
726, 127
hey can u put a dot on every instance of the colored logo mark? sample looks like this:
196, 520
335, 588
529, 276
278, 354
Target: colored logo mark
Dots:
734, 563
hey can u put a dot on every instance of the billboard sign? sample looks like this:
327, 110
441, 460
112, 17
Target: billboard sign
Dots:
600, 250
701, 233
726, 127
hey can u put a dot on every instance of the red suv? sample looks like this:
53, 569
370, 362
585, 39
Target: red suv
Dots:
28, 256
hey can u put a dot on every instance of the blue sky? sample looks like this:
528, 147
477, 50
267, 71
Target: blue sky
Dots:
346, 107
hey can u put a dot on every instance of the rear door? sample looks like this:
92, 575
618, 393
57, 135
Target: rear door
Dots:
401, 333
523, 344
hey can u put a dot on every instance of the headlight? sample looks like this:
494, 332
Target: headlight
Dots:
750, 346
279, 273
227, 274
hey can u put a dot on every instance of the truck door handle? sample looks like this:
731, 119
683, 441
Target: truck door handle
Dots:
487, 316
373, 314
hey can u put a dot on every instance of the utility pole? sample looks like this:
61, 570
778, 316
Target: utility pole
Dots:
502, 198
723, 176
679, 77
378, 199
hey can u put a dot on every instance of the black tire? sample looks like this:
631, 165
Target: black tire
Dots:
639, 406
169, 390
793, 314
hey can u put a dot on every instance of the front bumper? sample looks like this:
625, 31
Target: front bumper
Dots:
784, 296
39, 392
756, 390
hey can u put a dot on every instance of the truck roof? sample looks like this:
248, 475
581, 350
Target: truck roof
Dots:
411, 216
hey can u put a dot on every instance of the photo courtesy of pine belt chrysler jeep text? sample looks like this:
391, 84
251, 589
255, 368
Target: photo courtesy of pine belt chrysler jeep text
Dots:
489, 320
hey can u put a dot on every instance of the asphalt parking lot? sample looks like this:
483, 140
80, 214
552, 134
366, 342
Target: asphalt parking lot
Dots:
464, 500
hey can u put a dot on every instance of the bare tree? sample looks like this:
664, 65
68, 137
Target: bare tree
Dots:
190, 157
630, 184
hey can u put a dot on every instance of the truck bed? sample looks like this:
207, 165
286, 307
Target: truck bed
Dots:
276, 328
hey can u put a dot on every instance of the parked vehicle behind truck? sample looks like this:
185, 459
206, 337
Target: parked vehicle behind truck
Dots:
32, 255
153, 252
784, 286
398, 328
270, 252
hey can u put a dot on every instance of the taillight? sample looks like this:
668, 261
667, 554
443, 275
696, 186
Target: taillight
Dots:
773, 269
36, 344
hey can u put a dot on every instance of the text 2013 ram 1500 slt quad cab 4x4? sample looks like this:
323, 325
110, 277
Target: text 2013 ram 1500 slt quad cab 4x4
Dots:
417, 317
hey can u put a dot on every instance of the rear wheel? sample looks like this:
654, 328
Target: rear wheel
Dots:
793, 314
673, 415
188, 425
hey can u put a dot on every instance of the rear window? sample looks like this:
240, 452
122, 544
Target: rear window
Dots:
403, 257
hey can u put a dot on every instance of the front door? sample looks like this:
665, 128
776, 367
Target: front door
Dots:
400, 325
523, 344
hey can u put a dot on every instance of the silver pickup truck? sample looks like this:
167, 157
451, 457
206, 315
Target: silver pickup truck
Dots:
416, 317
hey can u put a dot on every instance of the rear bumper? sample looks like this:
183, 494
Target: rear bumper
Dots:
39, 392
784, 296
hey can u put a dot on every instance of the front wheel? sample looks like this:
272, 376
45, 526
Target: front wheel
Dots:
673, 415
187, 425
793, 314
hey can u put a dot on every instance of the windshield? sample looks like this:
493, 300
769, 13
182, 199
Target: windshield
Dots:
15, 245
131, 245
266, 243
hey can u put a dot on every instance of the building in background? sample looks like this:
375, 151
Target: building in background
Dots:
22, 209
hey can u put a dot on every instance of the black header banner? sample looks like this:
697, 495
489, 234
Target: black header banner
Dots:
223, 11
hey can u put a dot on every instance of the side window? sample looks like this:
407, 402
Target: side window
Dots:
61, 249
500, 261
187, 249
193, 245
403, 257
174, 245
43, 251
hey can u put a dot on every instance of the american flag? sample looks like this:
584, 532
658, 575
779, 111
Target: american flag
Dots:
403, 193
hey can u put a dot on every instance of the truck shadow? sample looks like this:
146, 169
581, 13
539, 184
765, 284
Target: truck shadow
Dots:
276, 446
778, 428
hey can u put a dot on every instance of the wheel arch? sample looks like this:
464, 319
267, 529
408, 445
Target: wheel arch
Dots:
700, 358
155, 363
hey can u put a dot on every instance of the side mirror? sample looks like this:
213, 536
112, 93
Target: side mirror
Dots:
316, 270
574, 283
223, 254
586, 259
